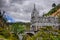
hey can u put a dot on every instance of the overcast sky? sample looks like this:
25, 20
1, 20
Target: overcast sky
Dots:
20, 10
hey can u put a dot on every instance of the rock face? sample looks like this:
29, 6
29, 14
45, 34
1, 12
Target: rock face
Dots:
41, 21
56, 14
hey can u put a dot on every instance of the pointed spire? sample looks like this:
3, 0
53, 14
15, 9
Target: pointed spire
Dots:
34, 7
35, 10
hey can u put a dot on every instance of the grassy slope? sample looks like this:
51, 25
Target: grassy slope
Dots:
53, 10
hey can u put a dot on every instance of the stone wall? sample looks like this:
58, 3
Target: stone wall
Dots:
44, 21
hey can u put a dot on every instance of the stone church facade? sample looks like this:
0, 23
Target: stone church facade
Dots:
42, 21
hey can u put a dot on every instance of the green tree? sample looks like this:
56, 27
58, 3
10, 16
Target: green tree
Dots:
46, 33
17, 29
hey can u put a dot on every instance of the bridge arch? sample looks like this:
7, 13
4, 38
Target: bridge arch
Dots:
30, 34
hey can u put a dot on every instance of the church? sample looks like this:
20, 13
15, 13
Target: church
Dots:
43, 21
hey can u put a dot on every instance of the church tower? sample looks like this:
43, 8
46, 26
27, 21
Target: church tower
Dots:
34, 18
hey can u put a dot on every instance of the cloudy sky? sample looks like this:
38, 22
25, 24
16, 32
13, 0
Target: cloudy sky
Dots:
20, 10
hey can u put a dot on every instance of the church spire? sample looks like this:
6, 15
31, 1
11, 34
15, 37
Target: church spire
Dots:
34, 12
34, 8
34, 17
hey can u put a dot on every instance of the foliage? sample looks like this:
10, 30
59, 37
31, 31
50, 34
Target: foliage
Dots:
6, 35
17, 29
28, 26
46, 33
5, 32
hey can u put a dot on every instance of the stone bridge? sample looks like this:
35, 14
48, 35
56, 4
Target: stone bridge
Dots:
30, 31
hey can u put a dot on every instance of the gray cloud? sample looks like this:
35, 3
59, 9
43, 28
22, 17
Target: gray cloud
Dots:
21, 10
18, 1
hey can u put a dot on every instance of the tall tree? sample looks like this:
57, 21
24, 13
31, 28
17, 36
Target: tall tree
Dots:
53, 5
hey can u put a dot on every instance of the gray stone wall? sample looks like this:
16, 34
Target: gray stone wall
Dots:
44, 21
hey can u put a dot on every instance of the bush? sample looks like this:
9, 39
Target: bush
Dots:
47, 33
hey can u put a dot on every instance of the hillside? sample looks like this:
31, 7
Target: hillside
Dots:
53, 10
20, 23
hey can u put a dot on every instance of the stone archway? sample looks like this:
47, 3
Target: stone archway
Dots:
30, 34
27, 35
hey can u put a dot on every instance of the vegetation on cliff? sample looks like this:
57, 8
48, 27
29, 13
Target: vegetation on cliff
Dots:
52, 10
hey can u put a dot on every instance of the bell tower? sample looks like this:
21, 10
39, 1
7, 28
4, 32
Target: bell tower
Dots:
34, 14
34, 18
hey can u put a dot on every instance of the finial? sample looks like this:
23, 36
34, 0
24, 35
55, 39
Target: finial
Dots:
34, 7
